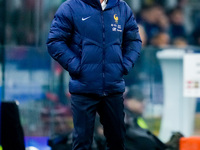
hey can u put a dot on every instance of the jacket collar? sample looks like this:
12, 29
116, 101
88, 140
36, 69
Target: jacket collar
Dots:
97, 4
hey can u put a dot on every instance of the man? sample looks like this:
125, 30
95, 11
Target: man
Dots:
134, 107
138, 137
97, 42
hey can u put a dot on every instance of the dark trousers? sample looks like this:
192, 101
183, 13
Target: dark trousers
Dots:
111, 111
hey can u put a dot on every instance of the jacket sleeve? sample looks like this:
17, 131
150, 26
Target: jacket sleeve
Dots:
60, 33
132, 43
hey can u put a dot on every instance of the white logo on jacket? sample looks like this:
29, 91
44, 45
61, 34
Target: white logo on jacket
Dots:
116, 27
83, 19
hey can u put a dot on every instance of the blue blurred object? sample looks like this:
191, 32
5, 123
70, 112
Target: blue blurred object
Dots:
27, 73
0, 112
37, 142
25, 92
0, 93
198, 105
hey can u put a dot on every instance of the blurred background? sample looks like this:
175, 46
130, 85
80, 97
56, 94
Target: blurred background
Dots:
170, 31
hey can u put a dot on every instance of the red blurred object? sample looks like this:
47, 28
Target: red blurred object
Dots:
68, 95
58, 69
52, 97
190, 143
57, 110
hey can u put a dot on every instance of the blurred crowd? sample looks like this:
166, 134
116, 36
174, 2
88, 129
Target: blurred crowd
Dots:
27, 23
161, 27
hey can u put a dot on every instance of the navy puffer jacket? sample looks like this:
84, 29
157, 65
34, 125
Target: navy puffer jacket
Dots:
97, 47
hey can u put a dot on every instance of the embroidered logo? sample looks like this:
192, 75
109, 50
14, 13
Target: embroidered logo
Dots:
116, 18
116, 27
83, 19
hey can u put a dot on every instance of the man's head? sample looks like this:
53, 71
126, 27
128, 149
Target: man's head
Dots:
177, 16
134, 100
160, 40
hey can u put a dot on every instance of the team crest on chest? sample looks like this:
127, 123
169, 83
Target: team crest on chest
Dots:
116, 27
116, 18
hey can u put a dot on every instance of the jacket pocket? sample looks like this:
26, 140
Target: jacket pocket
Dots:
118, 54
74, 67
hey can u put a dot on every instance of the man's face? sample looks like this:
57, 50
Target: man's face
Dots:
135, 106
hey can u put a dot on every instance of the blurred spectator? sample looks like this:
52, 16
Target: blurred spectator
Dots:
177, 28
160, 40
138, 137
142, 35
196, 36
182, 3
162, 19
153, 2
154, 20
134, 101
180, 42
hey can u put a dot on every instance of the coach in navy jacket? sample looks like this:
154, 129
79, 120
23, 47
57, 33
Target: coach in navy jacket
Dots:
97, 42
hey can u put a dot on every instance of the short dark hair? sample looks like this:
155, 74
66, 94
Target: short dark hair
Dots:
134, 93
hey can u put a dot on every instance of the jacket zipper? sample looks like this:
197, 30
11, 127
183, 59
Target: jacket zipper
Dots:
103, 67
